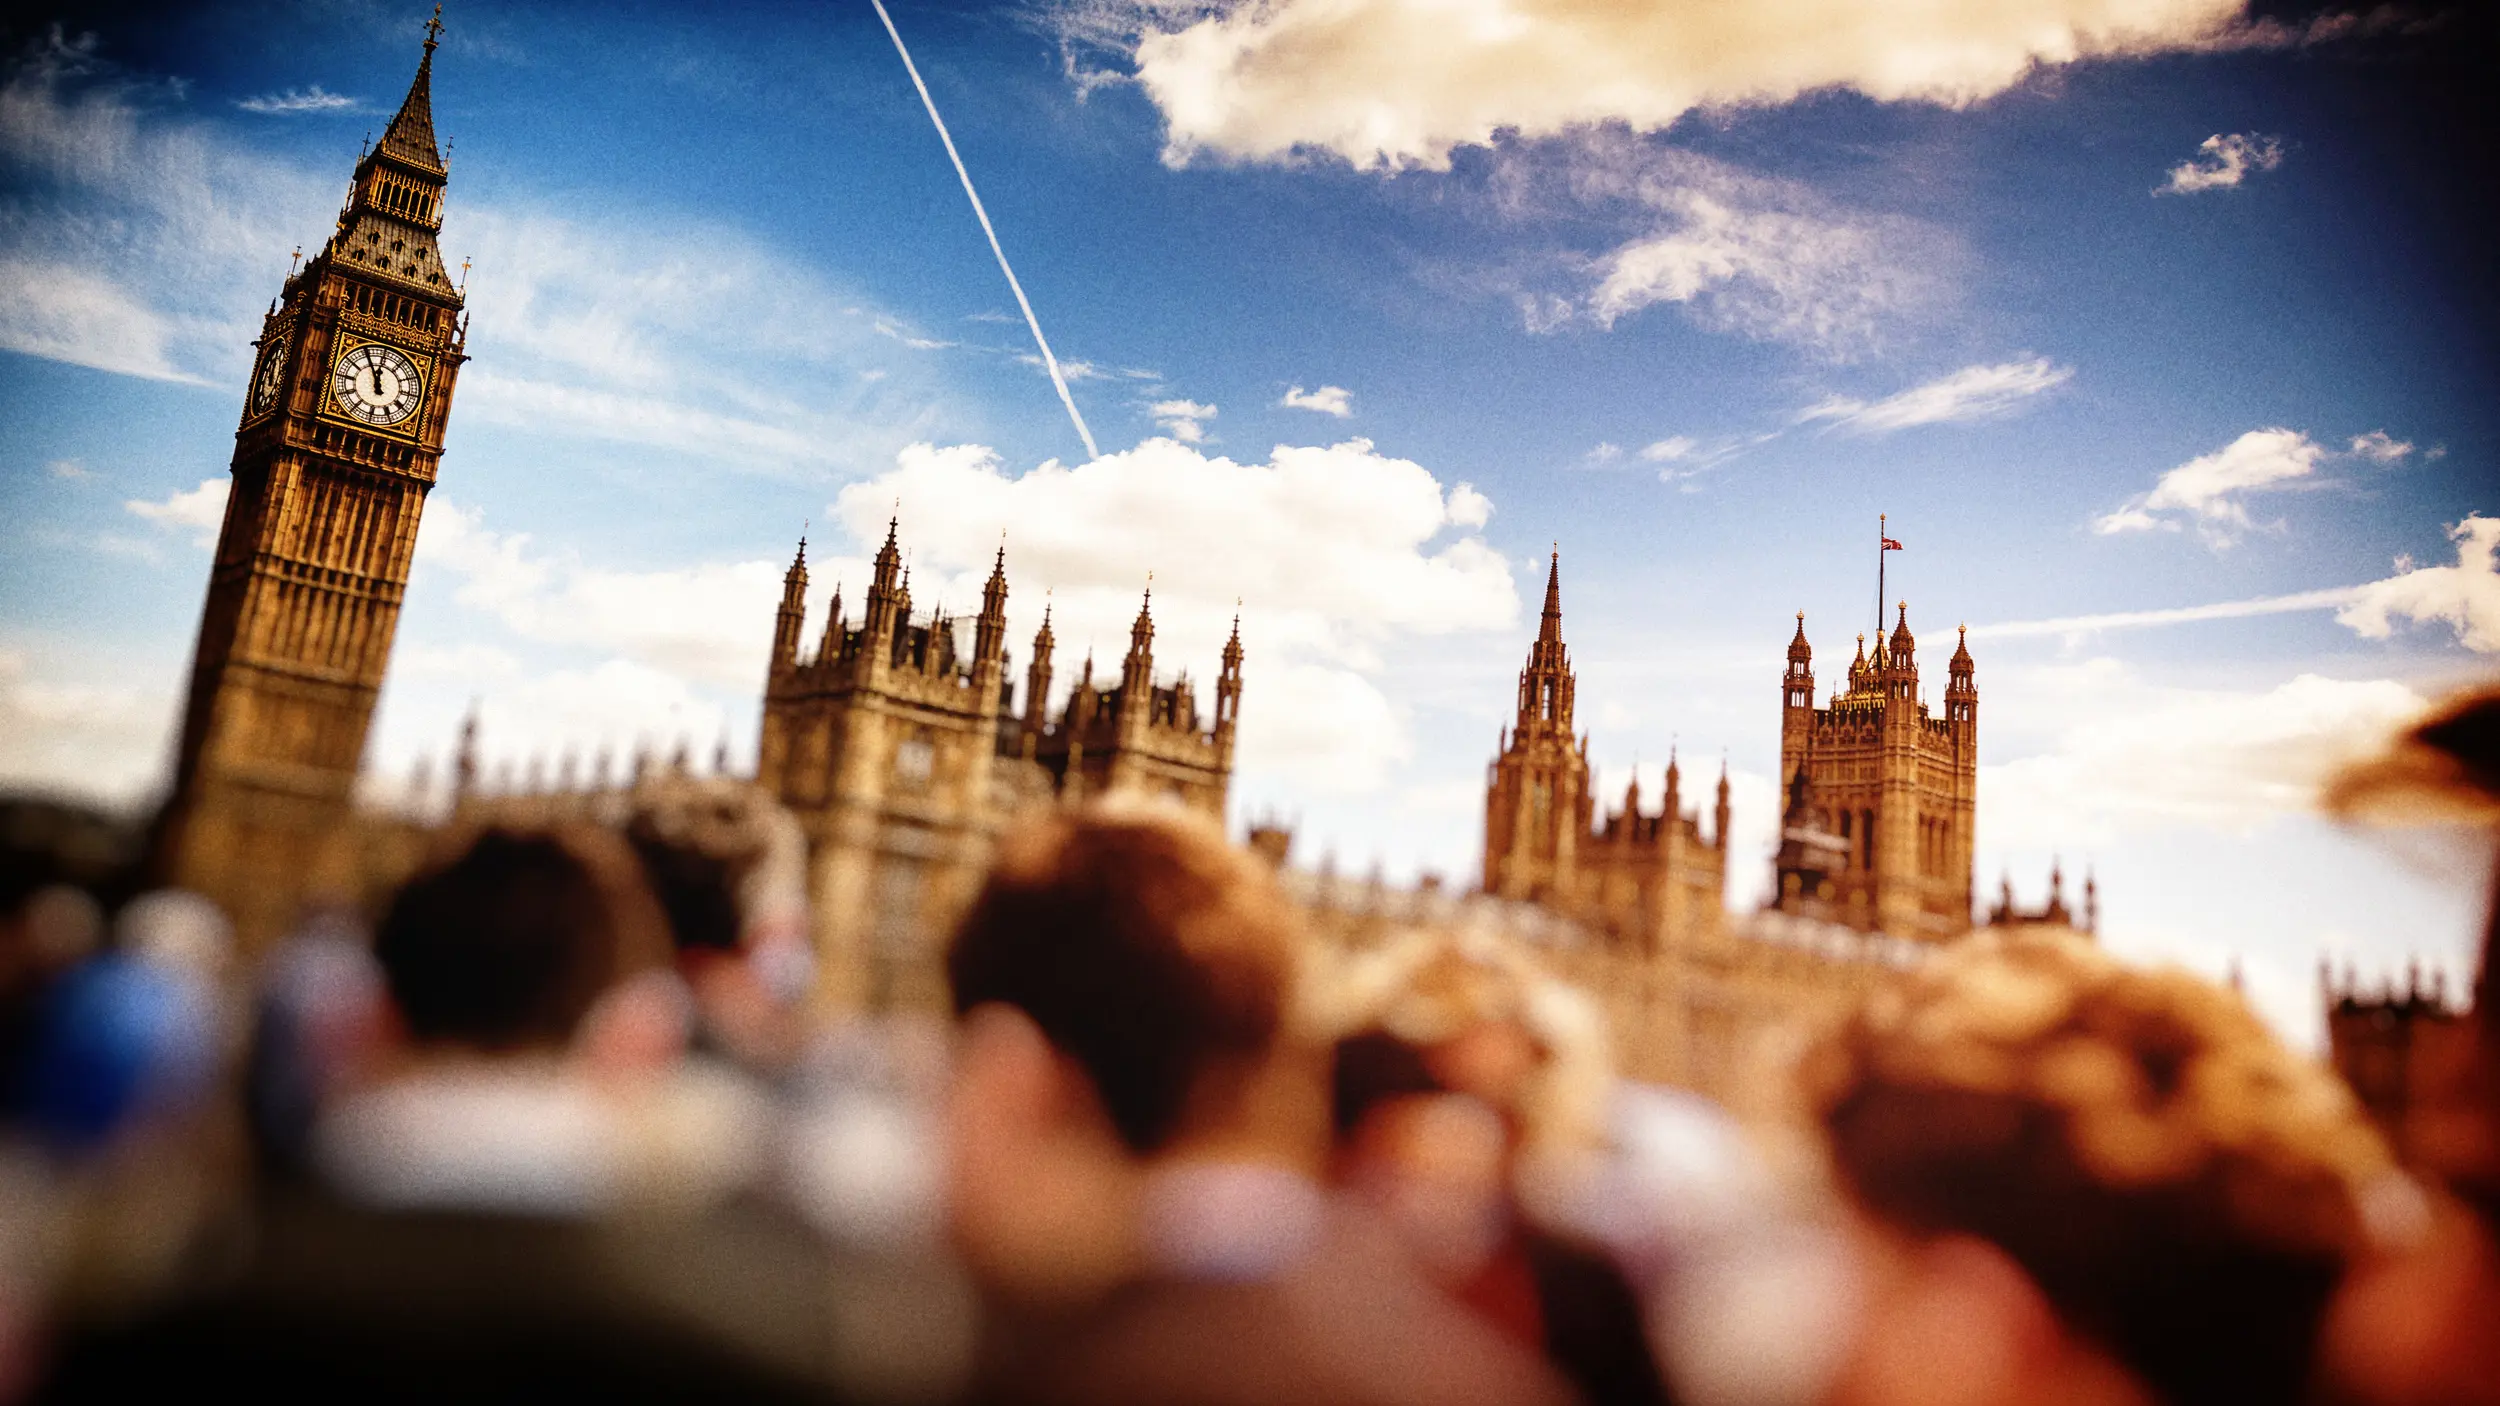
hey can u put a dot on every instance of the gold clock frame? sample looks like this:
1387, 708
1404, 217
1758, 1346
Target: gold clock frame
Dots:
276, 350
345, 342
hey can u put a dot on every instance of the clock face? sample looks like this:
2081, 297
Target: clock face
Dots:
270, 378
376, 384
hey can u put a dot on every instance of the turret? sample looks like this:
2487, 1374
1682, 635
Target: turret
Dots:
1675, 788
829, 649
989, 636
1137, 671
1546, 684
1900, 663
1961, 691
792, 614
464, 760
1797, 685
1719, 814
1037, 678
885, 592
1080, 706
1228, 690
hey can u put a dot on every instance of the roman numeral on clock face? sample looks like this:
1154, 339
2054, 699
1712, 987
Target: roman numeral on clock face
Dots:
377, 384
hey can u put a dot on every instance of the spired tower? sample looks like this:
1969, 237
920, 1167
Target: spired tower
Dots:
1651, 881
341, 435
1537, 803
1882, 797
903, 758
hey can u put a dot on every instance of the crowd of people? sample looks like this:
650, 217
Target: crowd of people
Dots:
561, 1118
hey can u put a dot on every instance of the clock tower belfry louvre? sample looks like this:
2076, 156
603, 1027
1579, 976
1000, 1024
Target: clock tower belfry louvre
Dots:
341, 434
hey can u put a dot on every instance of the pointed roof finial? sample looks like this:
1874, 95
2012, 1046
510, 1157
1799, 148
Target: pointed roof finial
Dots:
1549, 625
410, 137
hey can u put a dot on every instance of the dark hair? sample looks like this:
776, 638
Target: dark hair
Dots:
2183, 1189
696, 890
1369, 1069
1144, 948
509, 943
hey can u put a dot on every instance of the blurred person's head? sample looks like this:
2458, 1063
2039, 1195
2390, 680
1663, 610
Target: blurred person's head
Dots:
60, 867
1467, 1013
2084, 1181
1126, 982
510, 944
2446, 770
2418, 1326
727, 864
321, 1022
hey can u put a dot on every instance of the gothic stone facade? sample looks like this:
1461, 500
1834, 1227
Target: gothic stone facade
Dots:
1882, 796
1873, 865
903, 759
1651, 880
342, 431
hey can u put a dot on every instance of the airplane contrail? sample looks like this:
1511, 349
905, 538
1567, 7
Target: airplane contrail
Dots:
2332, 598
1030, 320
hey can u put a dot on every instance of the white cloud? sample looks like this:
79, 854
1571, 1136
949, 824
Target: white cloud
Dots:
1327, 400
130, 241
1398, 83
64, 313
2208, 491
1184, 420
656, 422
710, 622
201, 509
1075, 370
2138, 757
68, 469
139, 241
75, 724
2465, 596
1684, 458
1972, 393
617, 704
1737, 263
2380, 447
1337, 551
297, 100
1610, 225
2221, 162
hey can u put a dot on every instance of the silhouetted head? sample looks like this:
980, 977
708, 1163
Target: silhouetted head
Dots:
1143, 947
2183, 1192
509, 943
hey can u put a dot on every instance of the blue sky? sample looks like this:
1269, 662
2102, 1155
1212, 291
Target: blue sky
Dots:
2117, 318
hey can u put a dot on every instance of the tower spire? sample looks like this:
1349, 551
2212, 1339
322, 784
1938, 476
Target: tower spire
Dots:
410, 137
1549, 626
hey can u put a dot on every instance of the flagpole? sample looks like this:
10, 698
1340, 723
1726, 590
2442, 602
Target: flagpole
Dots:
1880, 539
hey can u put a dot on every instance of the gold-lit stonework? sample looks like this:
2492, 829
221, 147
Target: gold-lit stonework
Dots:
903, 759
342, 431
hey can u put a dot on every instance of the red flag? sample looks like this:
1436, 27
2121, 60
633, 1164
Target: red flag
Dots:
1892, 546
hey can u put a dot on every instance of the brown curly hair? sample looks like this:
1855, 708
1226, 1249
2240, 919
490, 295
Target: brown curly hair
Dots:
2183, 1189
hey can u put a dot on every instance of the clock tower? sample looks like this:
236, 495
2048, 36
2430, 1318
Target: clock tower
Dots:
341, 434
